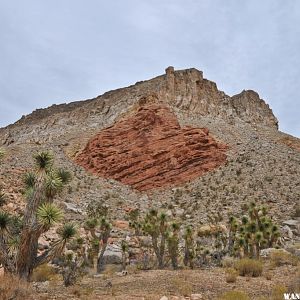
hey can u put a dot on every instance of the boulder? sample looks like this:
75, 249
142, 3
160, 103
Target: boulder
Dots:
113, 254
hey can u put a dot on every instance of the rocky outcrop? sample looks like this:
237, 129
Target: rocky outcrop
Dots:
150, 150
188, 90
252, 109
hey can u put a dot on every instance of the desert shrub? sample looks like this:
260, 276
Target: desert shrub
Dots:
183, 287
278, 291
14, 288
228, 262
132, 269
234, 295
249, 267
231, 275
280, 257
43, 273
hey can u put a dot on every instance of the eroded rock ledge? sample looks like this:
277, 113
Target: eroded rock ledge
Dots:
150, 150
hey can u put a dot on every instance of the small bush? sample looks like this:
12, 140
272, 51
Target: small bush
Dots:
43, 273
183, 287
278, 291
249, 267
280, 258
234, 295
231, 275
228, 262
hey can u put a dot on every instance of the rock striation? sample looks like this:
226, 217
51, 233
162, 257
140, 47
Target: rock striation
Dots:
150, 150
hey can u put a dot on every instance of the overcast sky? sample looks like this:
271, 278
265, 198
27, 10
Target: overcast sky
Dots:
56, 51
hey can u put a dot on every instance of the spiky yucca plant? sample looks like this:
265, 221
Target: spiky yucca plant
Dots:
41, 187
124, 248
99, 231
156, 225
173, 244
253, 232
189, 247
48, 214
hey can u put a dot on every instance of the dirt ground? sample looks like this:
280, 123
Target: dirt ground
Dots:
152, 285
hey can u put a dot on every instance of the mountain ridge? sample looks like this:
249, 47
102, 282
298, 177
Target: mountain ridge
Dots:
262, 163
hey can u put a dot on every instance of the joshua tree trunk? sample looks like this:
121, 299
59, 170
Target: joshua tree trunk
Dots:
174, 262
123, 261
100, 260
157, 253
186, 255
29, 237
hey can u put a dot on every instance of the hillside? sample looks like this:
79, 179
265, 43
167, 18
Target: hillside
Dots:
195, 146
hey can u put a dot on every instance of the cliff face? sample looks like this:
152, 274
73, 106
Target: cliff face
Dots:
150, 150
188, 90
184, 90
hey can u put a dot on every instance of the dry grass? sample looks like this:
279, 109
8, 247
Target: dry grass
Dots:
231, 275
43, 273
14, 288
277, 293
234, 295
280, 258
182, 287
249, 267
228, 262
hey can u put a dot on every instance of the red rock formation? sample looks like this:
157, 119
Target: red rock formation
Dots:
150, 150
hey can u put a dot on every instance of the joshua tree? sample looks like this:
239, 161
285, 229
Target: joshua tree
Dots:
19, 244
253, 232
156, 226
173, 243
71, 268
124, 247
134, 221
189, 247
98, 241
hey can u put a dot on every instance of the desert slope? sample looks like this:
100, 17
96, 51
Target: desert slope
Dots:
262, 164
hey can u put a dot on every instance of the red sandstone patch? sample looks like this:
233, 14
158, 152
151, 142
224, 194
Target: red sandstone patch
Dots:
150, 150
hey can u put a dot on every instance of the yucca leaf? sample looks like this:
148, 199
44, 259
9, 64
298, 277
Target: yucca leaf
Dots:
29, 179
49, 214
68, 231
64, 175
4, 220
43, 160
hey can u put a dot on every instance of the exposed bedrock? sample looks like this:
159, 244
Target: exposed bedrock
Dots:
150, 150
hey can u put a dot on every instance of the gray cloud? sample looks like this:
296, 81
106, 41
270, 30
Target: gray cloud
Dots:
60, 51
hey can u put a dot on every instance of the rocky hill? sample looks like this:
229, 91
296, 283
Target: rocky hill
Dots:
174, 141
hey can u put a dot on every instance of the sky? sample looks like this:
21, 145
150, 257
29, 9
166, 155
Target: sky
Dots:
58, 51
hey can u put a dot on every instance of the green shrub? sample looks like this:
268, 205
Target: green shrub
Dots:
234, 295
249, 267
